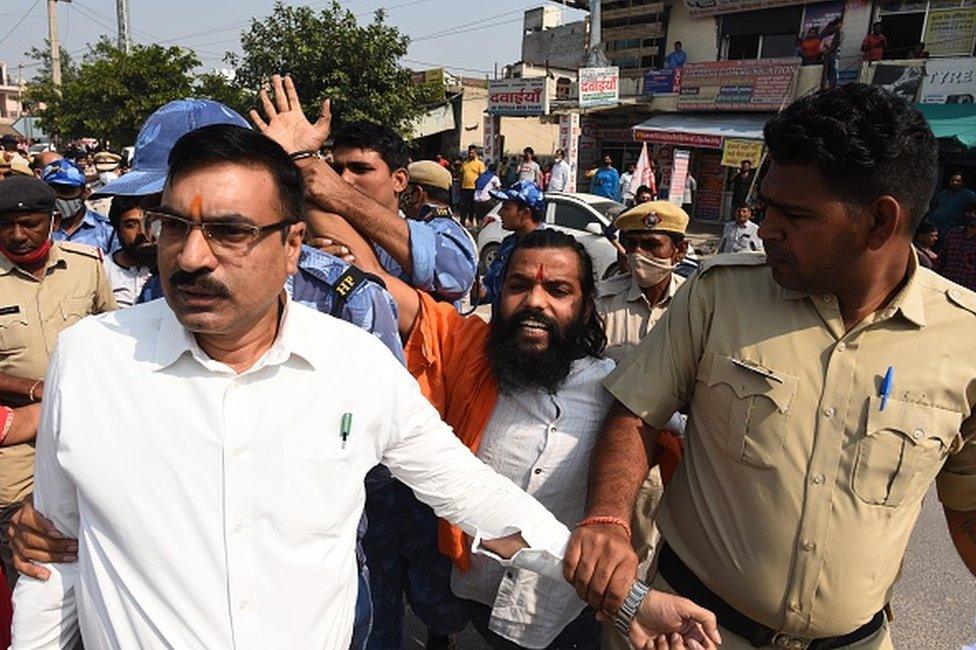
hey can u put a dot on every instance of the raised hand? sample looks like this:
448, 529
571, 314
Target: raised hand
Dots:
286, 123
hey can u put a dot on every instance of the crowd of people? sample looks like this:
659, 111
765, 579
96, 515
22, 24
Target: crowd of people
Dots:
244, 409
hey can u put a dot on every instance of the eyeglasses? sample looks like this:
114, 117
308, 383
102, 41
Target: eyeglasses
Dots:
228, 236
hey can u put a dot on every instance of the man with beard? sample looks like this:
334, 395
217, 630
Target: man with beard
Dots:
134, 262
44, 288
829, 383
78, 224
524, 393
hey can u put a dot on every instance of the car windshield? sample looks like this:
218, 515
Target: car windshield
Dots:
609, 209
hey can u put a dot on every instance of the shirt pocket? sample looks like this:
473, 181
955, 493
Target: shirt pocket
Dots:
71, 310
903, 448
319, 487
756, 407
14, 334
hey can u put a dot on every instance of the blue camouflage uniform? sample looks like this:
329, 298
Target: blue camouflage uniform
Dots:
95, 230
401, 540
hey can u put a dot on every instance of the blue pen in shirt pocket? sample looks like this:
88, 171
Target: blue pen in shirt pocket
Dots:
886, 384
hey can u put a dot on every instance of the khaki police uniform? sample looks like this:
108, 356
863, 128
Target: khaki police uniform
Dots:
628, 317
797, 492
32, 314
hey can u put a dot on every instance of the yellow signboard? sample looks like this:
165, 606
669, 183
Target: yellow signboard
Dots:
735, 151
950, 32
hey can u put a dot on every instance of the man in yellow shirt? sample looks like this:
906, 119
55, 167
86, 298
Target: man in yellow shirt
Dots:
471, 169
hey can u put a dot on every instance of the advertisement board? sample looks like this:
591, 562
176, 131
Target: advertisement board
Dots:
949, 81
735, 151
569, 133
679, 174
518, 97
662, 82
950, 32
761, 85
599, 86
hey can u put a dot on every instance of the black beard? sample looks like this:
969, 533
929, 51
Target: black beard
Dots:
141, 254
516, 368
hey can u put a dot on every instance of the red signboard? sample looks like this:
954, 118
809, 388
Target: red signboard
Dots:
683, 139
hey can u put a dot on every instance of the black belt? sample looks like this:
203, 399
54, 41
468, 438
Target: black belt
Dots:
687, 584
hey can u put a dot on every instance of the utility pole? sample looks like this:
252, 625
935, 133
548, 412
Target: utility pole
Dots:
595, 57
52, 35
125, 41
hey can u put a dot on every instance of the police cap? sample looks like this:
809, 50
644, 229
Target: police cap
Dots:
26, 194
428, 172
654, 216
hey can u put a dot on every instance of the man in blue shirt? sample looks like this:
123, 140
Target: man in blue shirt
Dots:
949, 206
523, 211
425, 248
606, 181
677, 58
78, 224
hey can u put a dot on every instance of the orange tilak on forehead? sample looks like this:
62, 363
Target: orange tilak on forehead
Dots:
540, 273
196, 207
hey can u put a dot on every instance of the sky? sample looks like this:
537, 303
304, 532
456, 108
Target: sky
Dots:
466, 38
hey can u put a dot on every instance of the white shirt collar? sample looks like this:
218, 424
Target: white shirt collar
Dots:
174, 341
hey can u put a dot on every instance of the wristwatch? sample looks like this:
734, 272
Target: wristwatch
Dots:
628, 610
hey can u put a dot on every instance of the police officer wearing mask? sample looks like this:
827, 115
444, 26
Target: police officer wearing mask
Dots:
78, 224
653, 237
45, 286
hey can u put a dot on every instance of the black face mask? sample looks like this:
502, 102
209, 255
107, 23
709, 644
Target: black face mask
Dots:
518, 369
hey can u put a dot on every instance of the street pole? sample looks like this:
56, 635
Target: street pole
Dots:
122, 9
52, 35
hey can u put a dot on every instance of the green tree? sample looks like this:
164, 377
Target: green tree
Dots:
111, 93
216, 86
329, 54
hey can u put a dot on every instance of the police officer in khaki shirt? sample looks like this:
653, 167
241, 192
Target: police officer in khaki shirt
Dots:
804, 469
653, 236
44, 288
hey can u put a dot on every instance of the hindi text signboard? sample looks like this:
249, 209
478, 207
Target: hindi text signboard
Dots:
518, 97
599, 87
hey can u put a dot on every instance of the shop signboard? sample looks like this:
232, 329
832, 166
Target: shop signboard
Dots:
599, 86
678, 138
518, 97
950, 32
717, 7
762, 85
662, 82
901, 80
430, 85
734, 151
711, 186
679, 174
569, 135
491, 132
949, 81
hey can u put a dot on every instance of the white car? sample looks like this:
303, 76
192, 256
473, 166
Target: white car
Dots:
584, 216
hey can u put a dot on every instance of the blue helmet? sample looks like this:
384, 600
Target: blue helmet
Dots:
525, 192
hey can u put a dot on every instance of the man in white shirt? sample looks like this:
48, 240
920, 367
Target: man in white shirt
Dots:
741, 235
131, 266
218, 506
559, 178
626, 194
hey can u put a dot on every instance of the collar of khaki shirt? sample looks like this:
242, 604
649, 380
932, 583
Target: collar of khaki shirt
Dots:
907, 302
54, 258
174, 341
635, 293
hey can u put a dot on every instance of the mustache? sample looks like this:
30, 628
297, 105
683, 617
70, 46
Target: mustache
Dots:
198, 282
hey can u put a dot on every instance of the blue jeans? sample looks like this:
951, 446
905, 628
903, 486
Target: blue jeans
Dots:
582, 633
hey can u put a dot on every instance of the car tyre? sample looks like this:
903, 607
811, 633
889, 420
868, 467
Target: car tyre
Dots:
488, 255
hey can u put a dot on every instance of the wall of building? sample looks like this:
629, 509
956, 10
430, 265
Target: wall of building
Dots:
561, 46
518, 132
698, 36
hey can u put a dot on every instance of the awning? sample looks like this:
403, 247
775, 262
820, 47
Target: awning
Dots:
435, 120
954, 121
701, 130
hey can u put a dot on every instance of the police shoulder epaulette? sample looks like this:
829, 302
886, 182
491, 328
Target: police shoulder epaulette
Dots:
81, 249
440, 212
612, 286
962, 298
732, 259
351, 280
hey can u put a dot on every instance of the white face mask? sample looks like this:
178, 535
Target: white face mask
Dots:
649, 270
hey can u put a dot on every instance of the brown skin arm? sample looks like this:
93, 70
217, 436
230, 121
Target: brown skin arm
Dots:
329, 226
15, 391
34, 539
23, 428
600, 561
962, 528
